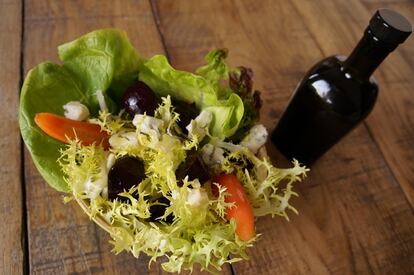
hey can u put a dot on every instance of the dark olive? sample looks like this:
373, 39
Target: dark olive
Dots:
187, 112
139, 99
124, 174
158, 210
193, 167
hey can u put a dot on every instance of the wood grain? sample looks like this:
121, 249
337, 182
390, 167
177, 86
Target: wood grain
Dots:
393, 123
12, 228
354, 217
356, 207
62, 240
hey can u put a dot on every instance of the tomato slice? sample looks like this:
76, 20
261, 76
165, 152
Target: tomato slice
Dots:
242, 211
62, 129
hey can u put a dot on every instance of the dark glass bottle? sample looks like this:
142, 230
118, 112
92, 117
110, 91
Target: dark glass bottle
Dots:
337, 93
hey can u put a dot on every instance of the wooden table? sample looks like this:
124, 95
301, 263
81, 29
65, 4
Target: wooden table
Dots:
356, 206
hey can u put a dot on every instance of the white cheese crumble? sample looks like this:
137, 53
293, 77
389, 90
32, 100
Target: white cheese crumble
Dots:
197, 197
76, 110
198, 126
101, 101
256, 138
148, 124
123, 140
110, 161
212, 155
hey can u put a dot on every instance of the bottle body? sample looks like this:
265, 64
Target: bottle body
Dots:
327, 104
337, 94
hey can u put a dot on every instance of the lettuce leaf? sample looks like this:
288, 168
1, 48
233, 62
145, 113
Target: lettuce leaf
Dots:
105, 61
227, 112
101, 60
241, 82
199, 233
215, 69
46, 89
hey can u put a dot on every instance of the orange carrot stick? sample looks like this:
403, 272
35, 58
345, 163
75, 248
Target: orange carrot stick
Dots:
62, 129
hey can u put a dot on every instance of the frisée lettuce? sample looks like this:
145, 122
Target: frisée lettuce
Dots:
194, 227
199, 233
104, 61
227, 110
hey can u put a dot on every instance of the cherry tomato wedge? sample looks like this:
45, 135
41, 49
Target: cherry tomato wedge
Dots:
242, 211
61, 128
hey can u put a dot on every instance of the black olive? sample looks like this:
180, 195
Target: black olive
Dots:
139, 98
124, 174
158, 210
187, 112
194, 167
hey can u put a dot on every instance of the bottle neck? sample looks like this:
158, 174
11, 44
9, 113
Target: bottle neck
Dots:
367, 56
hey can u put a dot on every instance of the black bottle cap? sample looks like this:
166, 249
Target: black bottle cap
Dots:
390, 26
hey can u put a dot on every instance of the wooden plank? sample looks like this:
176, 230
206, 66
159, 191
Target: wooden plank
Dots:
354, 217
62, 240
393, 125
12, 230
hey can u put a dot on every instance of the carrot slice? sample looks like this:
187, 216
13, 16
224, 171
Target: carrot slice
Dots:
242, 211
64, 129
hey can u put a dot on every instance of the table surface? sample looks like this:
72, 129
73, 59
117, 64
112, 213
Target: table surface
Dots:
356, 206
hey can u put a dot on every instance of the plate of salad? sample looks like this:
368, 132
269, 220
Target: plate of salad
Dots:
170, 163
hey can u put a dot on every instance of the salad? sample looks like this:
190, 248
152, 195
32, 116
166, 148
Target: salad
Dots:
171, 163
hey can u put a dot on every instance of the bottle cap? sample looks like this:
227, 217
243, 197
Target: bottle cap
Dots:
390, 26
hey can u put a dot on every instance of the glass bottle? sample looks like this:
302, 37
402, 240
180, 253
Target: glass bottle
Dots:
337, 93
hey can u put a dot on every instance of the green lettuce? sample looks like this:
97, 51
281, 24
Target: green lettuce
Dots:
39, 94
241, 82
105, 61
101, 60
203, 90
215, 69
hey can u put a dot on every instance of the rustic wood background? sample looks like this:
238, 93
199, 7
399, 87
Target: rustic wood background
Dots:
356, 207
